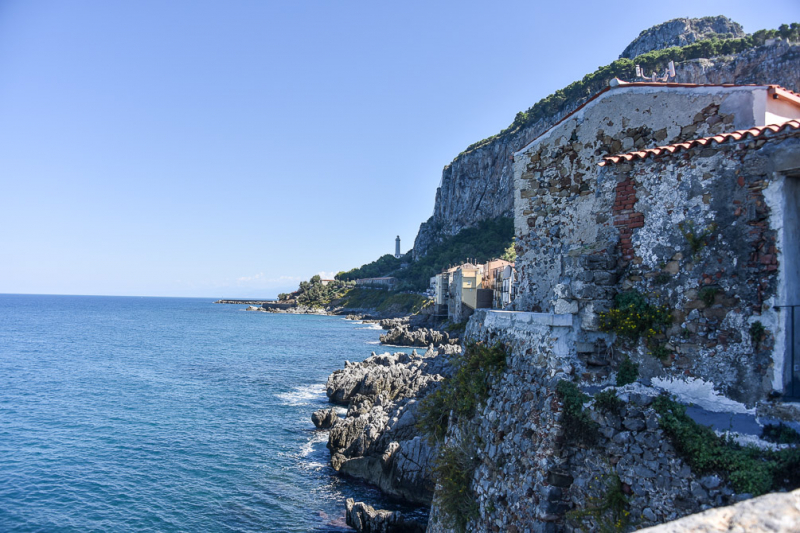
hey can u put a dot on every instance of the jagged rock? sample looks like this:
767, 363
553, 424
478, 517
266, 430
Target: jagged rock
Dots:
403, 336
378, 441
324, 418
773, 513
366, 519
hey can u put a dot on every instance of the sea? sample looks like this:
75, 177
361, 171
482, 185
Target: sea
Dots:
169, 414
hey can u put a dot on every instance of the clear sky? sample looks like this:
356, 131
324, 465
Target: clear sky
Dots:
231, 149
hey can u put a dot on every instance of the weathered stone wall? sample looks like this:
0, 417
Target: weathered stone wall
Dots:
729, 281
529, 477
586, 233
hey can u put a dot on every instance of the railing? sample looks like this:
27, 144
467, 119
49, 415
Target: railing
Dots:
794, 383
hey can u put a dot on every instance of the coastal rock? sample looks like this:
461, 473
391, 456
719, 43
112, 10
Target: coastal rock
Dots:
404, 336
378, 441
773, 513
324, 418
365, 519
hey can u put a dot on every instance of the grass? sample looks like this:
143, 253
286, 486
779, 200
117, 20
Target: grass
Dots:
609, 510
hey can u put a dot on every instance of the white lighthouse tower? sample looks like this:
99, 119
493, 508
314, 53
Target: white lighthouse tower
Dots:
397, 247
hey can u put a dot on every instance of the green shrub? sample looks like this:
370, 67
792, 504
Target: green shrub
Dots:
453, 472
628, 372
697, 239
313, 293
757, 332
383, 300
460, 394
659, 351
578, 427
708, 295
608, 400
457, 327
633, 316
780, 433
748, 469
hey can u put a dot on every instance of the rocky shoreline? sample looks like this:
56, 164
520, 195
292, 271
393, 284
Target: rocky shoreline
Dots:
377, 441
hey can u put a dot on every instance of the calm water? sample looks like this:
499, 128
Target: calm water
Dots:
167, 414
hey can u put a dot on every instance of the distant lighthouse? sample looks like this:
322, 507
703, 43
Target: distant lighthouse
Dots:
397, 247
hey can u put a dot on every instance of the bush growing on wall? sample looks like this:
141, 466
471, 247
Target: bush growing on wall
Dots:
633, 317
461, 394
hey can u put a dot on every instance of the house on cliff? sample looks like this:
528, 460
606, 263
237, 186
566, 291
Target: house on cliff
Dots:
687, 196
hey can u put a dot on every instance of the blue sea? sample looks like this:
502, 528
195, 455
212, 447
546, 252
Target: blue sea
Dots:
168, 414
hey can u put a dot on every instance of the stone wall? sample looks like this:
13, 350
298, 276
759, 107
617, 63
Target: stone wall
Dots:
694, 233
725, 283
529, 477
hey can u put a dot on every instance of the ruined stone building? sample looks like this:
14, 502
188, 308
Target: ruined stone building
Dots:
688, 195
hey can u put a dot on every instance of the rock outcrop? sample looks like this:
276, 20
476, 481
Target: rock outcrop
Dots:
377, 441
682, 32
324, 418
405, 336
478, 184
773, 513
365, 519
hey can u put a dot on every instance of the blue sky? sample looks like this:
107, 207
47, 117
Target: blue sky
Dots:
231, 149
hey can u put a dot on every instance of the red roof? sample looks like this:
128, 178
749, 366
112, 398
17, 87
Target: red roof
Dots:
760, 131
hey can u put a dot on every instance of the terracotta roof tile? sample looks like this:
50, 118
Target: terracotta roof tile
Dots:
705, 141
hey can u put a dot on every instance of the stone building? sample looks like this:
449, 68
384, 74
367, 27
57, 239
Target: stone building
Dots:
705, 225
686, 196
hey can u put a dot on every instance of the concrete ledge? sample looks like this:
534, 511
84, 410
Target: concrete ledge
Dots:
496, 317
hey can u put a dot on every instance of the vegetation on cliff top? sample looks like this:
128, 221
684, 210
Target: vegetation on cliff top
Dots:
384, 301
577, 92
488, 240
338, 293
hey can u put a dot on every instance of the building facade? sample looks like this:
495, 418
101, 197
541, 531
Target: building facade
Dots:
705, 226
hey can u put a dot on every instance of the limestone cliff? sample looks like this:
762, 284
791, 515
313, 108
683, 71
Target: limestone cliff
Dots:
478, 184
680, 32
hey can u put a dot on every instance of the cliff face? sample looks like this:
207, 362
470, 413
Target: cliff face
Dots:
478, 184
681, 32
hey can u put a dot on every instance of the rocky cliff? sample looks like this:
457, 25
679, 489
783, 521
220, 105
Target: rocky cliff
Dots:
377, 441
477, 185
681, 32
